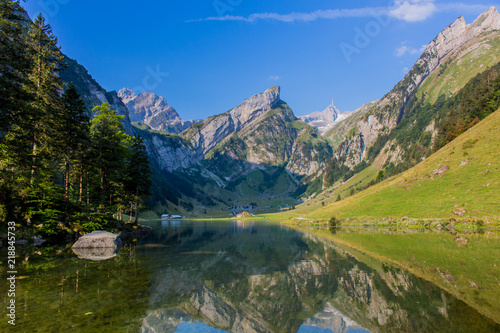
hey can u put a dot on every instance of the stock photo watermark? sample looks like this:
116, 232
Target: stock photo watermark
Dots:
51, 8
12, 273
364, 36
222, 7
151, 80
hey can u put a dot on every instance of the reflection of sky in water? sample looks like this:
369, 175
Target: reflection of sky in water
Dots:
203, 328
172, 223
356, 330
196, 328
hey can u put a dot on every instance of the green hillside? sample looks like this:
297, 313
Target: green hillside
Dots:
471, 184
454, 73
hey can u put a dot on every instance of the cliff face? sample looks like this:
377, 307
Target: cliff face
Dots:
278, 138
154, 111
452, 44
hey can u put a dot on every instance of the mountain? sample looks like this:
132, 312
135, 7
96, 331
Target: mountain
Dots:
324, 120
215, 129
260, 151
257, 149
461, 179
92, 93
451, 60
154, 111
262, 130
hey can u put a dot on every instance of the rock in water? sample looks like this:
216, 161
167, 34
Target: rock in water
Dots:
98, 245
98, 239
96, 254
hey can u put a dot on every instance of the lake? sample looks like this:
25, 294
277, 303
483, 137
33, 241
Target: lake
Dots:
243, 276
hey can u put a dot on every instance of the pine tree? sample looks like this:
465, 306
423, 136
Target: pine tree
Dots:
15, 64
73, 127
110, 146
139, 174
41, 123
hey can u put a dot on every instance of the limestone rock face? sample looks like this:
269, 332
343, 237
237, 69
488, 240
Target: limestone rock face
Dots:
154, 111
353, 149
170, 153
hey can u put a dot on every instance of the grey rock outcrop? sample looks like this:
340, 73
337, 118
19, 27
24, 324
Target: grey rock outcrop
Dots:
154, 111
96, 254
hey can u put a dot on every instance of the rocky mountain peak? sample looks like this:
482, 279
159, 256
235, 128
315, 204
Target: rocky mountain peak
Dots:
126, 95
487, 21
152, 100
215, 129
150, 109
323, 120
266, 100
458, 33
449, 39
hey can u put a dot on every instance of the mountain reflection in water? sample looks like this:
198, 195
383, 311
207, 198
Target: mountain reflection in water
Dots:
233, 276
251, 277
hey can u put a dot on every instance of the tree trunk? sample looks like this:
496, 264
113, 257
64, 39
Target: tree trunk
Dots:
131, 212
136, 210
66, 178
88, 193
81, 186
33, 160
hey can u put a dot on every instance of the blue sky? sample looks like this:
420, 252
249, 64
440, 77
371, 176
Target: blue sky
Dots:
206, 56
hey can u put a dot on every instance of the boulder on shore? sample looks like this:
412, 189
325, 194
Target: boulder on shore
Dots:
98, 239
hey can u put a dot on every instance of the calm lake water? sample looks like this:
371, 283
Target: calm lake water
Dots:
230, 276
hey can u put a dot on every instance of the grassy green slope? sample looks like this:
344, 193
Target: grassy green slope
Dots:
417, 193
454, 73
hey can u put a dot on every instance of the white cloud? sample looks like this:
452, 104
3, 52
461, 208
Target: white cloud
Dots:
328, 14
413, 10
404, 10
274, 77
404, 50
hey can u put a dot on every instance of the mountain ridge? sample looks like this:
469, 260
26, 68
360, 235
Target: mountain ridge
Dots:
378, 119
